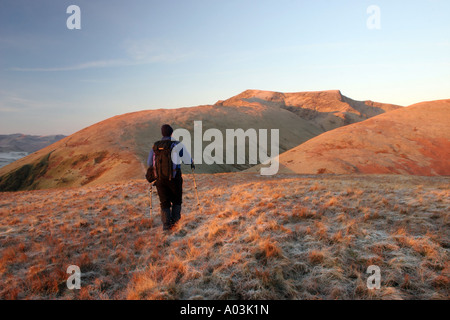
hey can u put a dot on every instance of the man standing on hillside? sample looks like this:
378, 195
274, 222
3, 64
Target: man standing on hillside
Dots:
164, 161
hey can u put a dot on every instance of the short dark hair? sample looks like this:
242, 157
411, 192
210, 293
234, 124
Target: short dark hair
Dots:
166, 130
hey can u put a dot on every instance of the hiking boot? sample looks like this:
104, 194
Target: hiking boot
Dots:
166, 218
176, 213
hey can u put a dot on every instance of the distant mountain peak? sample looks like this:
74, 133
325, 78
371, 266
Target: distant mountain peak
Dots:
328, 109
254, 95
20, 142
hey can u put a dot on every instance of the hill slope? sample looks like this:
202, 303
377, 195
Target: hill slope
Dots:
116, 148
279, 237
413, 140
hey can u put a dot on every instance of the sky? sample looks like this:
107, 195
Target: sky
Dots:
141, 54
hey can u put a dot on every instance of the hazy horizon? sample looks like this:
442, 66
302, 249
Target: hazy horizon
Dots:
147, 55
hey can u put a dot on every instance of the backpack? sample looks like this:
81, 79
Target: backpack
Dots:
151, 174
163, 159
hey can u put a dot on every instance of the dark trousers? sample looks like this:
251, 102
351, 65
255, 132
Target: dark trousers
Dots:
170, 192
170, 195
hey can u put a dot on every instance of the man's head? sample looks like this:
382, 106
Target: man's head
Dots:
166, 130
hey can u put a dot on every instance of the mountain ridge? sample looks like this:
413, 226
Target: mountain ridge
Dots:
20, 142
327, 109
117, 148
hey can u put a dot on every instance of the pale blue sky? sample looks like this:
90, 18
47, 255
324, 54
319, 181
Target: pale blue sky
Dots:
140, 54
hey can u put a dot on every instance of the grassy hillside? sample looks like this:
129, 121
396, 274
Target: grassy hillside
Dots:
123, 142
283, 237
411, 140
116, 149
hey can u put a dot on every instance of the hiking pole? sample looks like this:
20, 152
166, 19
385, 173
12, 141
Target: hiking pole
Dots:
151, 200
195, 186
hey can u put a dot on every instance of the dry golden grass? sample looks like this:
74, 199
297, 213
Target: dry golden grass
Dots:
283, 237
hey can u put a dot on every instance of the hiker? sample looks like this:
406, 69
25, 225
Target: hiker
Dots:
164, 166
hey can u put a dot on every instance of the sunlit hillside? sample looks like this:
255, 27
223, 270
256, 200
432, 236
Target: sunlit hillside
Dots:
411, 140
117, 148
